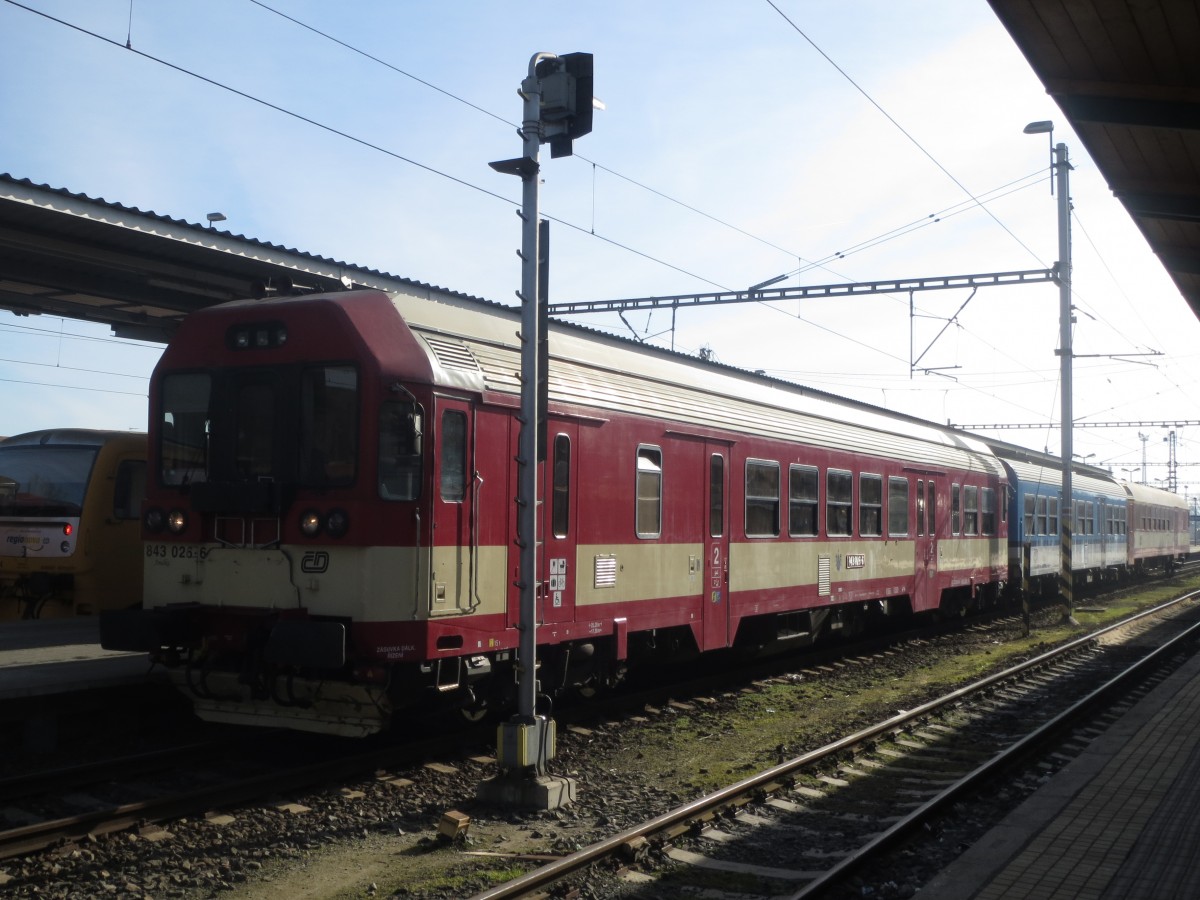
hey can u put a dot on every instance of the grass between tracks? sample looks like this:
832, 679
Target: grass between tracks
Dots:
706, 749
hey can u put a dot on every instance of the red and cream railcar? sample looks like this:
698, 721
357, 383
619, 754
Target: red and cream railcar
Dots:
1159, 528
330, 529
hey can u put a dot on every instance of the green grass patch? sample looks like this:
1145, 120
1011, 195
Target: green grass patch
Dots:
702, 752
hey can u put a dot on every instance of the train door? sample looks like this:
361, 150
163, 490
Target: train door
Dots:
454, 569
715, 575
925, 572
556, 595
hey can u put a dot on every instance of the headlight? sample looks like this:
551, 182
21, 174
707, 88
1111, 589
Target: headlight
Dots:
155, 519
310, 523
337, 523
176, 521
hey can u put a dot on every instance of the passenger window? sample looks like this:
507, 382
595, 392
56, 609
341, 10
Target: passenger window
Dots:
897, 506
870, 505
955, 509
803, 500
454, 456
762, 498
560, 500
649, 492
971, 500
988, 510
839, 496
400, 440
716, 495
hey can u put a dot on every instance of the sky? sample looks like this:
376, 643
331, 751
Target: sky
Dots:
829, 140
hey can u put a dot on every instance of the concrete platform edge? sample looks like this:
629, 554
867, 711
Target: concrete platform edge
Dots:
978, 865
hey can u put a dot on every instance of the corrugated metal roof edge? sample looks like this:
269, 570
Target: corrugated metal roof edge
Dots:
8, 178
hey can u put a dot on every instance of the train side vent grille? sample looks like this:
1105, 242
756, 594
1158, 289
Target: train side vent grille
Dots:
453, 355
822, 576
606, 571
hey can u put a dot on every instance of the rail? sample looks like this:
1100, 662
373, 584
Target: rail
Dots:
705, 807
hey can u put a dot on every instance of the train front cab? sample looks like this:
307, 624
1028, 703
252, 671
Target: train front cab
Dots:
70, 544
271, 536
329, 532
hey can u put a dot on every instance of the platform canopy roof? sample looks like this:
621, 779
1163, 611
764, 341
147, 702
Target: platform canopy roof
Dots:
1126, 74
85, 258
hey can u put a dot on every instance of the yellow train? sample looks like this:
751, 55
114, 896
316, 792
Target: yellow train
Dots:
70, 522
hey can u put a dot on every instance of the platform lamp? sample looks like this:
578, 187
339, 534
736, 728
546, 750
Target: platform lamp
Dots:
1061, 167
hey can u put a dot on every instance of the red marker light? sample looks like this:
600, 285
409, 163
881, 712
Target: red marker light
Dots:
68, 529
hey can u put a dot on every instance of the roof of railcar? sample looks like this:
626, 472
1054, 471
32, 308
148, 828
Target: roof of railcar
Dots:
1144, 493
474, 344
1028, 474
595, 369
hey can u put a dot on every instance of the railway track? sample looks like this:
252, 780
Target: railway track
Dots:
45, 807
142, 792
154, 791
138, 791
801, 828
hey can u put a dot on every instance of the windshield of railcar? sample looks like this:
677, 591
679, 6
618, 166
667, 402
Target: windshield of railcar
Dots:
292, 424
185, 423
44, 481
328, 425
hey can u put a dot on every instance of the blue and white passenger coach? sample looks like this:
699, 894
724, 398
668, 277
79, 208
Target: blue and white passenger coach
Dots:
1099, 546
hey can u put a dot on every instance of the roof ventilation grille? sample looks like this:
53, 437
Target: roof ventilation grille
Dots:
453, 355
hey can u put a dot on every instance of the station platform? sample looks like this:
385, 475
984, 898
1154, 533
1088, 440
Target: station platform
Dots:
1120, 821
48, 656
